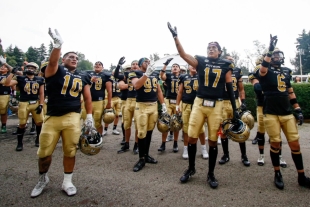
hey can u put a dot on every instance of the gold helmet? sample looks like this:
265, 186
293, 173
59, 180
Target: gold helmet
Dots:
238, 132
247, 118
108, 116
259, 60
32, 72
13, 105
90, 141
163, 123
176, 122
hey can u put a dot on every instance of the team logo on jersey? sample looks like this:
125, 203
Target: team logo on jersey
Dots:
206, 60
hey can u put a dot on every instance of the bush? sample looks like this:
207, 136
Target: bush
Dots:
302, 92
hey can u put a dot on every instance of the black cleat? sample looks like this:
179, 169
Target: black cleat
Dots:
162, 147
149, 159
175, 147
254, 141
187, 174
123, 141
245, 161
135, 148
19, 147
224, 159
304, 181
124, 148
139, 165
32, 130
278, 181
212, 181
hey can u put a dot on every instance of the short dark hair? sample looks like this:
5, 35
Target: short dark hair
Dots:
67, 53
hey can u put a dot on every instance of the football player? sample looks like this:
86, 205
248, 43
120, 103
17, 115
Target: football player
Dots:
129, 108
5, 92
145, 82
101, 82
31, 100
228, 113
279, 98
116, 102
260, 136
213, 73
188, 85
171, 80
64, 86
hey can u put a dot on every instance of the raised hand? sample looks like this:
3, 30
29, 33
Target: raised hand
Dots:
56, 37
150, 69
168, 61
121, 61
173, 31
2, 60
273, 43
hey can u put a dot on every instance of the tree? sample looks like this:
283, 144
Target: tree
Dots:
251, 55
224, 52
303, 47
84, 65
112, 67
32, 55
50, 48
42, 53
155, 57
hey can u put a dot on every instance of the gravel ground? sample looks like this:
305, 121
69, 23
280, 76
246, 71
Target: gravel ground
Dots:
107, 179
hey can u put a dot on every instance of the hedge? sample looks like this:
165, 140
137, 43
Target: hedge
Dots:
302, 91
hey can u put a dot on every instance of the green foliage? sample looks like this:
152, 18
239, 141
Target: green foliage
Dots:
42, 54
303, 46
302, 92
32, 55
85, 65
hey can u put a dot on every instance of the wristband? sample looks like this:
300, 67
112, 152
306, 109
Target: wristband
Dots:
163, 71
269, 54
293, 101
265, 63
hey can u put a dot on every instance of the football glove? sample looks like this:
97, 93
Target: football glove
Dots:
39, 109
173, 31
89, 120
163, 108
150, 69
168, 61
299, 116
56, 37
272, 44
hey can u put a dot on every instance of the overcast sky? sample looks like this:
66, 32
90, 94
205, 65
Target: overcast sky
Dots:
107, 30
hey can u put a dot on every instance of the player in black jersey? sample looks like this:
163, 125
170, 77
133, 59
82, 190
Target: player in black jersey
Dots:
279, 98
101, 82
228, 113
129, 108
5, 92
116, 102
213, 73
171, 80
31, 100
145, 82
64, 86
188, 85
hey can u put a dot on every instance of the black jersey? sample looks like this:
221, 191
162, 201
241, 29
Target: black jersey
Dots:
148, 92
259, 97
172, 86
132, 93
274, 85
97, 88
4, 90
190, 87
116, 92
29, 87
211, 77
235, 76
64, 91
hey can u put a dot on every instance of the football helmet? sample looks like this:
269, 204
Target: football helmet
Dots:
32, 72
108, 116
13, 105
238, 132
163, 123
277, 53
90, 141
176, 122
247, 118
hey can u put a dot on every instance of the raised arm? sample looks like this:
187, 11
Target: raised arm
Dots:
188, 58
52, 66
266, 61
